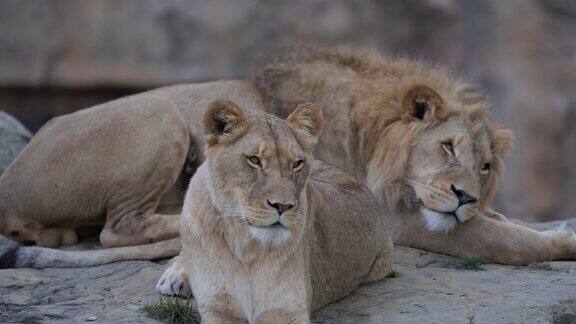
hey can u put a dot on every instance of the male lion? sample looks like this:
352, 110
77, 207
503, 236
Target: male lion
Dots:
421, 142
268, 235
415, 135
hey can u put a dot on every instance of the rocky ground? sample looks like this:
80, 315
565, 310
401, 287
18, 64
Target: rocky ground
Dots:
431, 288
434, 288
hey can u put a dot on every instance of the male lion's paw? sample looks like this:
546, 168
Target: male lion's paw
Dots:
563, 231
174, 281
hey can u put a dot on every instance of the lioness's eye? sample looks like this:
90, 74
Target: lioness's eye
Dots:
448, 147
485, 169
253, 161
298, 165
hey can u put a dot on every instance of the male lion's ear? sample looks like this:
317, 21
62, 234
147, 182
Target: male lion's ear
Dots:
224, 122
307, 122
502, 139
422, 103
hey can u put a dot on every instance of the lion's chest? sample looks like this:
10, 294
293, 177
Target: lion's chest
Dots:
250, 291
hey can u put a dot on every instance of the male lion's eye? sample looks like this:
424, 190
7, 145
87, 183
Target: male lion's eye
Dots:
448, 147
298, 165
253, 161
485, 169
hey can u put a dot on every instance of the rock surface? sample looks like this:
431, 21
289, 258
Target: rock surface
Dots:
435, 288
13, 138
432, 288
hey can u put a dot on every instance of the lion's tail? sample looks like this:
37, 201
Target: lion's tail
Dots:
38, 257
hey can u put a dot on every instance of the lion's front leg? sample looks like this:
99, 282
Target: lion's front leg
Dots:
174, 280
274, 316
563, 242
221, 317
496, 215
140, 229
53, 237
538, 226
495, 242
547, 226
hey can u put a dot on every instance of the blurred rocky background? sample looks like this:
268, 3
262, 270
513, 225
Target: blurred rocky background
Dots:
57, 56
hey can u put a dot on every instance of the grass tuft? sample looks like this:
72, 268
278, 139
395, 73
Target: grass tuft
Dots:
172, 310
471, 263
543, 266
393, 274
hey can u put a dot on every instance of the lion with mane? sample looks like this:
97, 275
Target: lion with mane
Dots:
421, 141
415, 135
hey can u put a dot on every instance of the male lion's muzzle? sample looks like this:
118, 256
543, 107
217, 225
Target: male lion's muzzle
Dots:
444, 204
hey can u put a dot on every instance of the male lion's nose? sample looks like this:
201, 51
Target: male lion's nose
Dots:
281, 208
463, 197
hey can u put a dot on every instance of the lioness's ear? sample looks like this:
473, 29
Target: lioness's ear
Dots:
502, 139
224, 122
307, 122
422, 103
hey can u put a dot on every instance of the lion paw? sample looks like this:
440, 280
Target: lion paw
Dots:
563, 231
174, 281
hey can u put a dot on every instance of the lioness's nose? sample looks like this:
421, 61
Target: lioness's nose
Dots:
463, 197
281, 208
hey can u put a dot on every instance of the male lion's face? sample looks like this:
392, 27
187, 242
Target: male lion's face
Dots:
453, 162
259, 167
450, 169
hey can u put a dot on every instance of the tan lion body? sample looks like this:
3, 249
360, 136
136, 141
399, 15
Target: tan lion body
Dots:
337, 253
420, 140
247, 261
110, 165
369, 132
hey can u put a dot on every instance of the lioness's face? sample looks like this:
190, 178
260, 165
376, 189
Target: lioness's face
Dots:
452, 167
261, 174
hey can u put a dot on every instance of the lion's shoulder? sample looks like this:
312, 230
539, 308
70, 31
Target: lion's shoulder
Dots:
324, 173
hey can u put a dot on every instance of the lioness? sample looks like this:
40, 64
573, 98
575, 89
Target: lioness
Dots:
415, 135
267, 234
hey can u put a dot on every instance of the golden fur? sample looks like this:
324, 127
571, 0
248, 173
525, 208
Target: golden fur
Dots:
244, 257
419, 138
385, 122
83, 169
114, 164
120, 165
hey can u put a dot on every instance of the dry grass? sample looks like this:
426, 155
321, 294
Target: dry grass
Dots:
393, 274
173, 310
471, 263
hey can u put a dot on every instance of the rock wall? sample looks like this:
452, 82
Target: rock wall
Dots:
13, 138
60, 55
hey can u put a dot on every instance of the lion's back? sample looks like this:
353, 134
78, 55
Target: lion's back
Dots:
76, 159
348, 233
